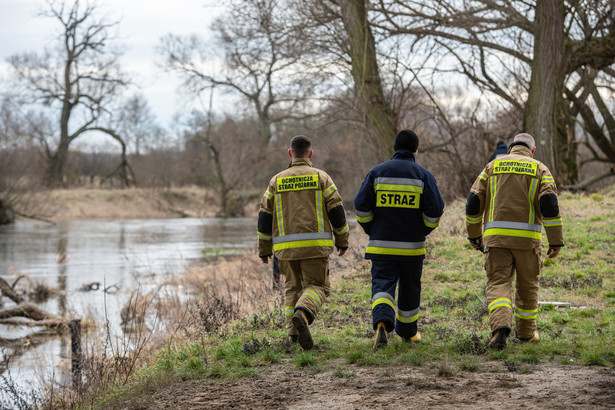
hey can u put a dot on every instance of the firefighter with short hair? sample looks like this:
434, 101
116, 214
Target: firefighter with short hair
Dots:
398, 205
514, 197
301, 219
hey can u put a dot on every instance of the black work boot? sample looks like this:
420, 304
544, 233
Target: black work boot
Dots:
498, 339
380, 340
300, 321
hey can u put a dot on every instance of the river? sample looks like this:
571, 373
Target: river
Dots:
124, 255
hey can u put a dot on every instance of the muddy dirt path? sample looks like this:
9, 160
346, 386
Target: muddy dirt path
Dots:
283, 387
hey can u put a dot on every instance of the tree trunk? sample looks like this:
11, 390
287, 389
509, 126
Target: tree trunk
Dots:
221, 185
566, 145
264, 123
546, 84
58, 160
378, 115
59, 157
6, 216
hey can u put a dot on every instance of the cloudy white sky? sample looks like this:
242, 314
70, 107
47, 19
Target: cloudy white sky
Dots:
142, 24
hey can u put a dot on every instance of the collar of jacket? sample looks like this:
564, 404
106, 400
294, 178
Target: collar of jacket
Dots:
299, 161
521, 149
404, 154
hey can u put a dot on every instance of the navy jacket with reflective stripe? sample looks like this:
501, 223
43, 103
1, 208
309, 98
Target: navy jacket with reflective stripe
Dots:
394, 216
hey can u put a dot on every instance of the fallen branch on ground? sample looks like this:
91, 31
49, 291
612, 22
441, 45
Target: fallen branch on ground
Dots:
8, 291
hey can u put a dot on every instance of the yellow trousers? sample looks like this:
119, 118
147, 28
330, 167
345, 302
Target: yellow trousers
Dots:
501, 265
306, 286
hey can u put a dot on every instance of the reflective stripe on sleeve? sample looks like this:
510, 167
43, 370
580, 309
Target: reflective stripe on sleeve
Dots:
264, 236
408, 316
341, 230
378, 247
289, 311
474, 220
330, 190
501, 302
365, 217
483, 176
545, 180
268, 195
430, 222
526, 314
553, 222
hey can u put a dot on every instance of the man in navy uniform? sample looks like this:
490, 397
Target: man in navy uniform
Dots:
397, 206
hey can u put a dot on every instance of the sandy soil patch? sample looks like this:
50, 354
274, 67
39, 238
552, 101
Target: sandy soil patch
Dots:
282, 387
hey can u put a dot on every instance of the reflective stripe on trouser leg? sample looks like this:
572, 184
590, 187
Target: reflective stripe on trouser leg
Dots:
499, 266
312, 289
409, 297
384, 282
292, 292
527, 263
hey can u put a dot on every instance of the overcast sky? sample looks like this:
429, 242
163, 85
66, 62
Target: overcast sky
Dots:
142, 24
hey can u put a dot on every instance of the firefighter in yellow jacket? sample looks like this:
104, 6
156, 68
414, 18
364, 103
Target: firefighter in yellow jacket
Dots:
514, 197
301, 219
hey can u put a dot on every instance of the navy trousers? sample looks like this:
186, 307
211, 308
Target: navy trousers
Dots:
386, 275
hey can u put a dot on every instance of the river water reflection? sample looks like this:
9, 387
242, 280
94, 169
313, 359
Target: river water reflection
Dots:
126, 254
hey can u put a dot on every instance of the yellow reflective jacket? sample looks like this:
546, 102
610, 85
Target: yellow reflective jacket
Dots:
513, 197
294, 217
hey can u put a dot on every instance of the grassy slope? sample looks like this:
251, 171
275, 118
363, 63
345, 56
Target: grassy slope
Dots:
453, 315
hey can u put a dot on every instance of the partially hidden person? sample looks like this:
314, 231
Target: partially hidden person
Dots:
500, 150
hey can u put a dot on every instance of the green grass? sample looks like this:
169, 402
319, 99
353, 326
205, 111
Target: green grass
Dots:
453, 318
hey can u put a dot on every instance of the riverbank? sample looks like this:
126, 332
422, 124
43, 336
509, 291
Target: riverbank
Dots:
130, 203
248, 363
225, 344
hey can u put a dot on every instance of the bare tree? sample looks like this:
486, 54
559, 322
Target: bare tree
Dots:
260, 53
20, 161
79, 79
513, 49
137, 124
230, 157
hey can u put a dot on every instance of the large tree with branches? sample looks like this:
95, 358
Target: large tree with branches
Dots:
79, 79
551, 60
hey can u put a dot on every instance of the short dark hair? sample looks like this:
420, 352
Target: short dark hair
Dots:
300, 146
406, 139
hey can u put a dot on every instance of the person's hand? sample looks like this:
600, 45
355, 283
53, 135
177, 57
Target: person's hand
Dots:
265, 259
553, 251
341, 251
476, 243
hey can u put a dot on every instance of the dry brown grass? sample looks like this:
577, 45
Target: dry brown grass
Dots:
243, 280
132, 203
